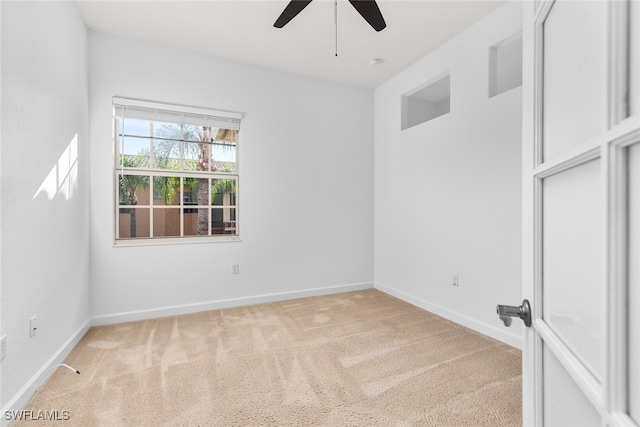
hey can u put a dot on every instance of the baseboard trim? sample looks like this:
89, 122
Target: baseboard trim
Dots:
31, 387
177, 310
488, 330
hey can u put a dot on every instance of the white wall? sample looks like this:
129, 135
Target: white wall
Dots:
45, 191
306, 185
447, 191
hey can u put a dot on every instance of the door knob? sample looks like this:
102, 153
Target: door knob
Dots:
506, 312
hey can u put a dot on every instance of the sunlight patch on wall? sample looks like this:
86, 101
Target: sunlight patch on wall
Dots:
63, 177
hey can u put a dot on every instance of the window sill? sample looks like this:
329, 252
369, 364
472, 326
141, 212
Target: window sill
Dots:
128, 243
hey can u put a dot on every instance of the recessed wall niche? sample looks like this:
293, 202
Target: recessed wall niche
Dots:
505, 65
426, 103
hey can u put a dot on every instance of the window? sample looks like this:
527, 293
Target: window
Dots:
176, 172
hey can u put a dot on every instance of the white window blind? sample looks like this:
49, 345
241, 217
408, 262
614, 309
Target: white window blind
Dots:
147, 110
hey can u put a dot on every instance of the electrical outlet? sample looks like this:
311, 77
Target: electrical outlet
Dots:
33, 326
235, 268
3, 347
456, 280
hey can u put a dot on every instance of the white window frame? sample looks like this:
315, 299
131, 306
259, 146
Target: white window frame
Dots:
178, 114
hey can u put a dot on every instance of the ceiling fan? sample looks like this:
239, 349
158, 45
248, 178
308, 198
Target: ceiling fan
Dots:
368, 9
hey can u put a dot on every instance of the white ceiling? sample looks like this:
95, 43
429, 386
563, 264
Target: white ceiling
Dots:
242, 30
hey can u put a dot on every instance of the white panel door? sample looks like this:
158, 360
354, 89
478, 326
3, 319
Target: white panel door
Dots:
581, 213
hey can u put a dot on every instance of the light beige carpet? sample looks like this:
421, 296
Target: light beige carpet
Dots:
353, 359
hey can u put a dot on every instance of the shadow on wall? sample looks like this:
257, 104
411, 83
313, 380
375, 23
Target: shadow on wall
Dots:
63, 177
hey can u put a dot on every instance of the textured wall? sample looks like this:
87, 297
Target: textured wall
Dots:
306, 182
45, 189
447, 191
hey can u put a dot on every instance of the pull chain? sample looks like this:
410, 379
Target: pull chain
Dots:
335, 21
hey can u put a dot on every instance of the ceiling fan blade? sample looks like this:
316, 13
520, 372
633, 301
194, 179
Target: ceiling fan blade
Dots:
290, 11
370, 12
